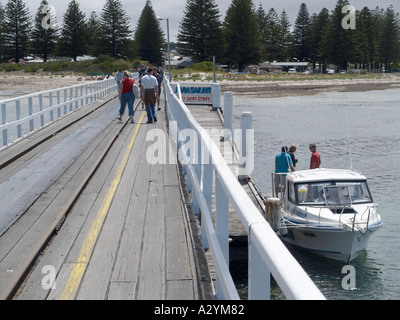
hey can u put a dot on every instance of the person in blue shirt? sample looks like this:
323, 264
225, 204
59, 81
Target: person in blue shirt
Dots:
283, 162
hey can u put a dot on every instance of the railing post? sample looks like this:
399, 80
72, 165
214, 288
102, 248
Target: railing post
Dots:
50, 99
71, 97
197, 171
246, 152
5, 137
76, 98
259, 277
82, 103
40, 97
3, 113
208, 176
18, 108
222, 225
228, 114
216, 95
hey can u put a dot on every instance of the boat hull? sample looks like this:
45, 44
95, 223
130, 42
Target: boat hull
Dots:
337, 244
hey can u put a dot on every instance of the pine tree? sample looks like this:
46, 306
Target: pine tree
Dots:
93, 34
114, 29
377, 18
2, 46
17, 27
44, 37
318, 24
73, 41
262, 30
149, 38
389, 39
338, 45
286, 38
365, 38
241, 32
302, 34
272, 36
200, 30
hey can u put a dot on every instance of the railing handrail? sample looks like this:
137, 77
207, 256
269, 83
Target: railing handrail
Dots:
35, 94
79, 95
264, 245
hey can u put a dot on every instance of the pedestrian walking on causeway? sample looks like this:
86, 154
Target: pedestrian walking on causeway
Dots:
118, 77
126, 96
159, 78
149, 92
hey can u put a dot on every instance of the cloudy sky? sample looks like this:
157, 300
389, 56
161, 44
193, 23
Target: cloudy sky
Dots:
173, 9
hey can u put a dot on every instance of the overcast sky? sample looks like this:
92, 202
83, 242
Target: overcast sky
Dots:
173, 9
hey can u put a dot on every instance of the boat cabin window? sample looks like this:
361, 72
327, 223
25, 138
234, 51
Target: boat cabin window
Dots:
314, 194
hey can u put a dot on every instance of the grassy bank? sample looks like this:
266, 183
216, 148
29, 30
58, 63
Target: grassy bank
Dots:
102, 64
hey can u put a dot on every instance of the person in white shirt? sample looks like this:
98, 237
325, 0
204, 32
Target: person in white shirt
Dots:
149, 92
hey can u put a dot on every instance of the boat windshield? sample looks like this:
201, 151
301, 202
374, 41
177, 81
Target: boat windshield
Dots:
314, 193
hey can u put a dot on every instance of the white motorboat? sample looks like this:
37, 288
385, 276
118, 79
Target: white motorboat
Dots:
328, 211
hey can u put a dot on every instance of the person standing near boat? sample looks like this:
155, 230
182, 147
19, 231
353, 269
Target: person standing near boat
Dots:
292, 150
283, 162
315, 161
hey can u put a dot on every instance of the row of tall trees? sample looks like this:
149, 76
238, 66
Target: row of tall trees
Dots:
251, 35
246, 35
109, 33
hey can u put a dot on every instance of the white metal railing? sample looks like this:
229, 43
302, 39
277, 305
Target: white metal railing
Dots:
204, 165
22, 115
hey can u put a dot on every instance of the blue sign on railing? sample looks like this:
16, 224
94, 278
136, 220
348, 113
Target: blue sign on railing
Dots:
195, 93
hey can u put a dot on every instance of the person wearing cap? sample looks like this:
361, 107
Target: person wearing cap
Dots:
315, 161
283, 162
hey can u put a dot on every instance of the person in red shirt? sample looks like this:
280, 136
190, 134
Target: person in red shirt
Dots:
126, 96
315, 161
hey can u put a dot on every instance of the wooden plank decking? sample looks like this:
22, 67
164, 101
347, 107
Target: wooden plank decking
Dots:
109, 222
127, 235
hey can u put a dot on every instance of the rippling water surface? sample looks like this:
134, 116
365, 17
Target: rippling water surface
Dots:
359, 130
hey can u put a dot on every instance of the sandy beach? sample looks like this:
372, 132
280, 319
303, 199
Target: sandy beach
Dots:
275, 89
17, 84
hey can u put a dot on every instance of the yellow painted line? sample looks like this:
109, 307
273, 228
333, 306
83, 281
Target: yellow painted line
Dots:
79, 268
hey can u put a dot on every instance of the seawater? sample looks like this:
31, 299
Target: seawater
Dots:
359, 130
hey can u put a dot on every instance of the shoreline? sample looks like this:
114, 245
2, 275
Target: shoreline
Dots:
14, 85
288, 88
